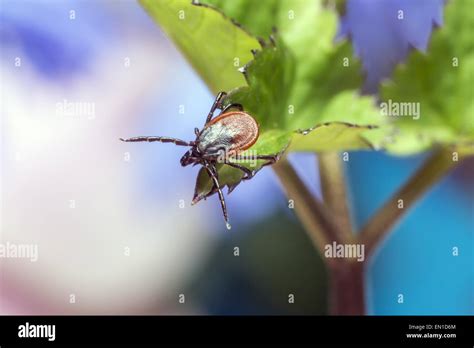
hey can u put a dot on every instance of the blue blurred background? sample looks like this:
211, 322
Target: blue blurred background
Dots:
113, 222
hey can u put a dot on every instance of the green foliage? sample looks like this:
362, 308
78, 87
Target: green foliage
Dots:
311, 69
441, 81
327, 135
214, 46
298, 79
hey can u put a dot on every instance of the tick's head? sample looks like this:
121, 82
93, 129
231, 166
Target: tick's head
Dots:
190, 157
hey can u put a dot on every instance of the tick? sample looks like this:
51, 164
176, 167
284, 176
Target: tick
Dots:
222, 140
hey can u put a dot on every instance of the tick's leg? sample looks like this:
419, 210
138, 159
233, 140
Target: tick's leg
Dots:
214, 169
160, 139
248, 173
217, 105
221, 195
271, 158
230, 106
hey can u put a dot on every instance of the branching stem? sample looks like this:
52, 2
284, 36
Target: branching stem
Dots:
347, 278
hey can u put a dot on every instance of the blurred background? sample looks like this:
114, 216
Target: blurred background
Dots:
112, 221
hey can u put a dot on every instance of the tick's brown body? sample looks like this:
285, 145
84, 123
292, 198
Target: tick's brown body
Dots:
231, 132
221, 140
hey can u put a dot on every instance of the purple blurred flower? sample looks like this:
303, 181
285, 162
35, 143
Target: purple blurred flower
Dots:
383, 32
62, 38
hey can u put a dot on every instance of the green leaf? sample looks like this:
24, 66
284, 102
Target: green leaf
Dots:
270, 77
325, 136
256, 16
213, 45
295, 83
441, 84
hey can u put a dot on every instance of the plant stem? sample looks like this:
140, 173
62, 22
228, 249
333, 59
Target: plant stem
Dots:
316, 219
435, 167
346, 288
346, 277
333, 185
